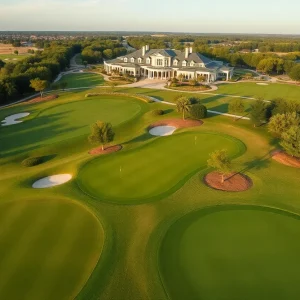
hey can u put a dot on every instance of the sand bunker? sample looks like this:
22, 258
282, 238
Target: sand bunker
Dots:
261, 83
50, 181
13, 119
162, 130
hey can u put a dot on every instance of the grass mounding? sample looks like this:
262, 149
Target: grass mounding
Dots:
232, 253
48, 248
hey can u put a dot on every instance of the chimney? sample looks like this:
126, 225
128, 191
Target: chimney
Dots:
186, 52
147, 48
191, 49
144, 50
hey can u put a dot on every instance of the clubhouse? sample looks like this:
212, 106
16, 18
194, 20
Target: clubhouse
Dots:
167, 63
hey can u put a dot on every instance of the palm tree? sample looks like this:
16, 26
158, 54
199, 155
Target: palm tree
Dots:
183, 105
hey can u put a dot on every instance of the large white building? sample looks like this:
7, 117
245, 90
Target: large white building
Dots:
167, 63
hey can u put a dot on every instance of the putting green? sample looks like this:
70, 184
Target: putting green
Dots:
232, 253
69, 120
153, 170
48, 249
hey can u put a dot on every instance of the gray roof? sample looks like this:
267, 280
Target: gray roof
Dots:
201, 62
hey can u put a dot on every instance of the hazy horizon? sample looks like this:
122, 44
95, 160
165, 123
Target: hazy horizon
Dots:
221, 17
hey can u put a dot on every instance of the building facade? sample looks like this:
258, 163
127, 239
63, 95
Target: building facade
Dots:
167, 63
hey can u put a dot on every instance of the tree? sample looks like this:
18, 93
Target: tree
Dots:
236, 106
291, 141
16, 52
102, 133
38, 85
280, 123
85, 63
180, 77
63, 85
295, 72
183, 106
258, 112
220, 161
198, 111
7, 88
108, 53
113, 86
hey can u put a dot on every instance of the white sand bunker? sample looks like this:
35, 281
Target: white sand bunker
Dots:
52, 181
162, 130
261, 83
13, 119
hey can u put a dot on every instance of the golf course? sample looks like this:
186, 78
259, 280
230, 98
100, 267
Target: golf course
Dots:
141, 222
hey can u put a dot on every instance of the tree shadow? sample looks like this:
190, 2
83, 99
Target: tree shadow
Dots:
258, 163
168, 111
33, 134
141, 138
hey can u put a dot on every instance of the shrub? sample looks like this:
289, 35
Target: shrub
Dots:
157, 112
194, 100
32, 161
193, 82
173, 84
198, 111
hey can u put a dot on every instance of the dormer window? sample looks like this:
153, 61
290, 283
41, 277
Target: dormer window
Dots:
184, 63
192, 63
175, 62
125, 59
148, 60
140, 60
132, 59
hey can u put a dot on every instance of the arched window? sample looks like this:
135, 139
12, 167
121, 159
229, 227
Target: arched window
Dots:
184, 63
140, 60
192, 63
132, 59
148, 60
125, 59
175, 62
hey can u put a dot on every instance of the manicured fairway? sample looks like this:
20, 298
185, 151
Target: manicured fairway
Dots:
268, 92
82, 80
12, 57
48, 249
161, 166
232, 253
69, 120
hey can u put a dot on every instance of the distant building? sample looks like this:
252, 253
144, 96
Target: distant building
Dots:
166, 63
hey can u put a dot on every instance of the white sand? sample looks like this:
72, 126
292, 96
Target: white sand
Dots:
162, 130
52, 181
261, 83
13, 119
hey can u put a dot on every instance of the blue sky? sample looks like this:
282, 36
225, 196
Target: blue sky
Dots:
253, 16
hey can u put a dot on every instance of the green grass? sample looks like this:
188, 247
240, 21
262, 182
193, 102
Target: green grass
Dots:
153, 170
130, 262
232, 253
268, 92
12, 57
48, 248
67, 120
82, 80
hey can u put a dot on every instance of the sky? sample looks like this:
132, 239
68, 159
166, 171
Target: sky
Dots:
210, 16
